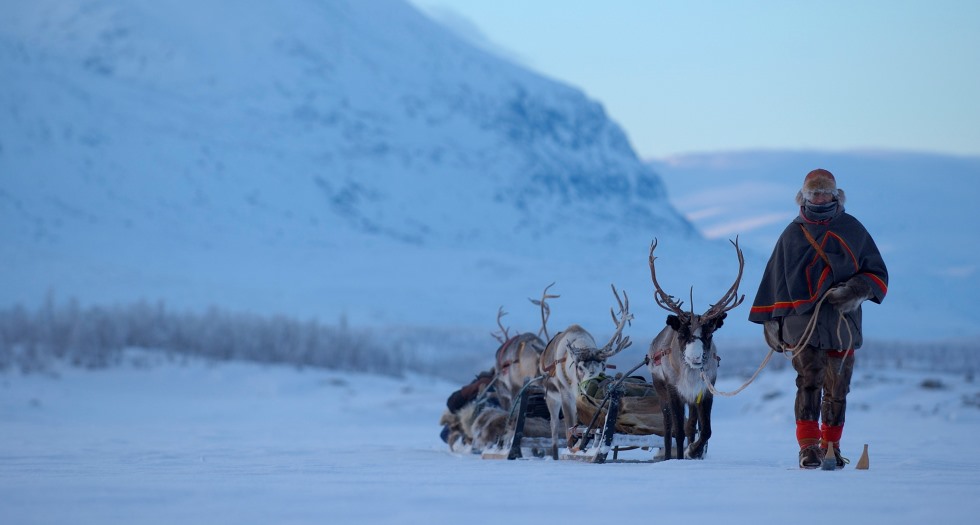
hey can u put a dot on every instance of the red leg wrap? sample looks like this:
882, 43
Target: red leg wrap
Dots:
831, 434
807, 433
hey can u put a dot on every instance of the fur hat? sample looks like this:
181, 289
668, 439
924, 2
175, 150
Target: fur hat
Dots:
819, 181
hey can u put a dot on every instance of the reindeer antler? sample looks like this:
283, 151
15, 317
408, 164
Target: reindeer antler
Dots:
663, 299
504, 331
545, 310
731, 298
618, 343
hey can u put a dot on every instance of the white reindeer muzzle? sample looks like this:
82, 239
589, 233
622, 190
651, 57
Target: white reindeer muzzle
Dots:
694, 356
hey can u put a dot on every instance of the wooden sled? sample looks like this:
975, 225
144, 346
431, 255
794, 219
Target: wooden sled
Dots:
617, 415
521, 446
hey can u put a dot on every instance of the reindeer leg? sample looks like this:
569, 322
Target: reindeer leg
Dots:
570, 411
704, 424
691, 424
677, 409
664, 396
554, 409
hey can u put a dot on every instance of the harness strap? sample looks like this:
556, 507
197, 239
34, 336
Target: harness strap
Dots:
503, 365
550, 369
813, 242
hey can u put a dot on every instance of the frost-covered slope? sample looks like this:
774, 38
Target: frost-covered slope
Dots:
295, 157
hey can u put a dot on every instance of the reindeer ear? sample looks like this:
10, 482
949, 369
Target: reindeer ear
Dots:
674, 322
717, 322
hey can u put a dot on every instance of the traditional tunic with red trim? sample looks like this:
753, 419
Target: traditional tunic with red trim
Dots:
797, 276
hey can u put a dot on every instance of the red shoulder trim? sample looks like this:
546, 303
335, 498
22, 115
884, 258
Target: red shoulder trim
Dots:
877, 280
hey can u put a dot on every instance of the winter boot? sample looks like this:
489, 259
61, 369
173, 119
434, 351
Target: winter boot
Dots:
811, 456
832, 458
808, 436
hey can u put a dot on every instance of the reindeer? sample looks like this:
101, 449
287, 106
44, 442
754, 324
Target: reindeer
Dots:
519, 356
573, 357
482, 427
682, 358
463, 406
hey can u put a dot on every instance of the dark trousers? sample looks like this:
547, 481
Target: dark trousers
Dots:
823, 380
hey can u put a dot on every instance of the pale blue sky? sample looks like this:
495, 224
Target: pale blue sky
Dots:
690, 76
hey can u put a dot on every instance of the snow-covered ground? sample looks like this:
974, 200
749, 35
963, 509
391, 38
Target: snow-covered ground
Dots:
197, 442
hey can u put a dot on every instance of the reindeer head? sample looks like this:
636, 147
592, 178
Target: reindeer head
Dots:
694, 332
589, 362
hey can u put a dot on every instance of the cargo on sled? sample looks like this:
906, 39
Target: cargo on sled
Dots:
616, 414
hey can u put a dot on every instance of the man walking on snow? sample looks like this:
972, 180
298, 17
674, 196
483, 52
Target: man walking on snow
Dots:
825, 264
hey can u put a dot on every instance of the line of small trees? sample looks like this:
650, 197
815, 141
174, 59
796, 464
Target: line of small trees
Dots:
96, 336
946, 356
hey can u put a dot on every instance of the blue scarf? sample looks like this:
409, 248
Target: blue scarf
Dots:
820, 213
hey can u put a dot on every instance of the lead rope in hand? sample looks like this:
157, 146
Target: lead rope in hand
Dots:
791, 351
811, 328
850, 339
715, 391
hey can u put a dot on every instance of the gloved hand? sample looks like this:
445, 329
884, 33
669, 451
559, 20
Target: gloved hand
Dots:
772, 332
847, 297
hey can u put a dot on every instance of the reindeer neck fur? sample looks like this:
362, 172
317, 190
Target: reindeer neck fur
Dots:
669, 365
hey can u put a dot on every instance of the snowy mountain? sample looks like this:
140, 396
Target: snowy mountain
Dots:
350, 160
353, 160
315, 158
